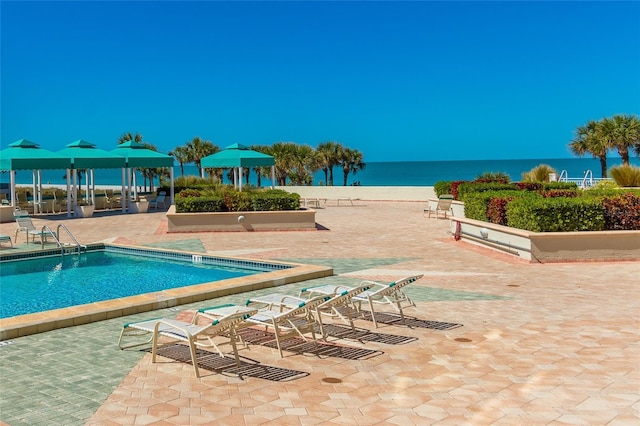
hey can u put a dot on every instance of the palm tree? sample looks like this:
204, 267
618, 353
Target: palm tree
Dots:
625, 134
305, 164
261, 171
181, 154
198, 149
351, 161
151, 173
329, 153
284, 156
128, 136
589, 139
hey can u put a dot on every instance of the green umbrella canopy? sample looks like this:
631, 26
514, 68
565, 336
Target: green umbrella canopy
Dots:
138, 156
85, 155
27, 155
237, 155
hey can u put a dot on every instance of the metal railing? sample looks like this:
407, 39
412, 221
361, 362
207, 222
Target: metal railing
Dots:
56, 236
586, 181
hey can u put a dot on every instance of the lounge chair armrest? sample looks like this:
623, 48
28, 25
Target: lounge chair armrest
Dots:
291, 300
372, 283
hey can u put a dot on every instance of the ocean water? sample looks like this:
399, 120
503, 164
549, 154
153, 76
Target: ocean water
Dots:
406, 173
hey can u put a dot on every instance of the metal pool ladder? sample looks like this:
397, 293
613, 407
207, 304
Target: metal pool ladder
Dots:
56, 236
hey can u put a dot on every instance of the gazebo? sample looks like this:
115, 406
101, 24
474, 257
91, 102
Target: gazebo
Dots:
85, 155
26, 155
137, 156
238, 156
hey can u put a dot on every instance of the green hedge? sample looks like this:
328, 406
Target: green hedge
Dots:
476, 204
442, 187
199, 204
556, 214
473, 187
234, 201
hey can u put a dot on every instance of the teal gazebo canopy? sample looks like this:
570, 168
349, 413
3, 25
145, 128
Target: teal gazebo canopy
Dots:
237, 155
85, 155
138, 156
27, 155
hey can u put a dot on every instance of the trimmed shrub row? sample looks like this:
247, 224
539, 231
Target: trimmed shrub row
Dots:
193, 201
551, 212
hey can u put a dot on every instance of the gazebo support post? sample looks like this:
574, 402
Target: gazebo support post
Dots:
273, 177
68, 192
171, 189
12, 180
123, 191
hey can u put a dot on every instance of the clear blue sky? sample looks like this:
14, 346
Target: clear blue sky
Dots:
396, 80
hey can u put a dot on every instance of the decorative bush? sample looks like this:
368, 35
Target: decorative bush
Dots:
497, 210
454, 188
186, 193
469, 187
529, 186
622, 212
476, 204
559, 193
276, 200
236, 201
625, 175
501, 177
559, 185
442, 187
199, 204
540, 173
556, 214
228, 199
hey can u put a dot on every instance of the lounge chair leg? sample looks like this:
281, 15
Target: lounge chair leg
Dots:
232, 335
277, 332
373, 316
192, 349
154, 344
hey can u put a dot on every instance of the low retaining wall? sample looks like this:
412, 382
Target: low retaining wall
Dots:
290, 220
546, 247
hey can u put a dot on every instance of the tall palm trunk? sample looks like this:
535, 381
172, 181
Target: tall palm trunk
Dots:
603, 166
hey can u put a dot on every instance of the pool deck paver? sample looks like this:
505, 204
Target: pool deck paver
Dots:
539, 344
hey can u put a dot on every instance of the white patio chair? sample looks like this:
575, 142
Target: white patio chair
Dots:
26, 225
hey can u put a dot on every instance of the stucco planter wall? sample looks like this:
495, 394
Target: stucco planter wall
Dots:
545, 247
6, 214
293, 220
139, 206
85, 211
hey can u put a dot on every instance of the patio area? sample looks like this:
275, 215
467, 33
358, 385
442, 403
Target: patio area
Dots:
492, 340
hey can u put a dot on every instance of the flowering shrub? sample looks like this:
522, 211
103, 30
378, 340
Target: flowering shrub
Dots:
622, 212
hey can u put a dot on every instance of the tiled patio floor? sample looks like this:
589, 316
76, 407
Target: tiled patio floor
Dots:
536, 344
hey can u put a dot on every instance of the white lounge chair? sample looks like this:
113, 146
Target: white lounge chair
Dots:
443, 206
378, 294
339, 305
288, 316
221, 311
193, 334
26, 225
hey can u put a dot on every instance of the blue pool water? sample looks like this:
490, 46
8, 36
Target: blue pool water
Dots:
41, 284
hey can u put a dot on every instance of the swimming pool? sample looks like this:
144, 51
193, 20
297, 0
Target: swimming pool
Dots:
53, 282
